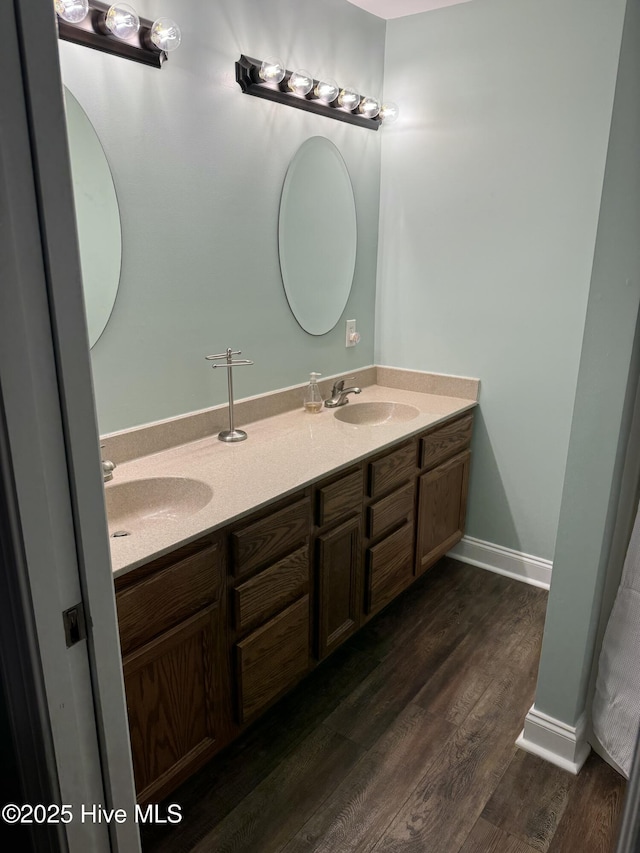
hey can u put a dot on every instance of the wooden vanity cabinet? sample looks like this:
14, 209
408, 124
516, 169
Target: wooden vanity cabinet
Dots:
338, 560
172, 621
442, 490
271, 605
215, 633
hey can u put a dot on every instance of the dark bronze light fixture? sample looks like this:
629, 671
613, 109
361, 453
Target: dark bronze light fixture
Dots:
116, 28
270, 79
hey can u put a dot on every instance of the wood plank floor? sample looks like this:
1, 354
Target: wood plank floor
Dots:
403, 742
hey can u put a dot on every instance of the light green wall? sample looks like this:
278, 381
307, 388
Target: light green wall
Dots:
604, 400
198, 169
491, 188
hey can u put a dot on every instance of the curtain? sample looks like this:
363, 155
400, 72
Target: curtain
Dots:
616, 704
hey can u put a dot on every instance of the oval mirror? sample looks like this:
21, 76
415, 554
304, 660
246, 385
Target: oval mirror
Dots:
317, 235
97, 216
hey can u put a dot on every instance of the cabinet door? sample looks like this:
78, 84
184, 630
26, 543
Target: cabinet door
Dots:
442, 499
178, 702
339, 584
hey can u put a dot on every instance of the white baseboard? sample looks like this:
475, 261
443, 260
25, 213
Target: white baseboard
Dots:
563, 745
503, 561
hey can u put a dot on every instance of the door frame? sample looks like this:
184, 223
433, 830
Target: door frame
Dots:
52, 460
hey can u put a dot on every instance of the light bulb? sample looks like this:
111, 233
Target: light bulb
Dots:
72, 11
389, 112
301, 82
272, 70
348, 98
369, 107
326, 90
165, 34
122, 20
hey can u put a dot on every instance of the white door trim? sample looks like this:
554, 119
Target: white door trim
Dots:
45, 382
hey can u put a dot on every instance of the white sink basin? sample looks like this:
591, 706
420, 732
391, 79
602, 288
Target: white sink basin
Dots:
134, 503
376, 412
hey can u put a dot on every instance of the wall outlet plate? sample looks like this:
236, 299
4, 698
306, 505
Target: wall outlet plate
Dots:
352, 337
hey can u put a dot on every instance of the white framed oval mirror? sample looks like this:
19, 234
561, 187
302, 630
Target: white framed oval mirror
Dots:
317, 235
97, 217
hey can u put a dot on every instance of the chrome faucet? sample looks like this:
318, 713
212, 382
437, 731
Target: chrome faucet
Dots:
339, 394
107, 467
231, 434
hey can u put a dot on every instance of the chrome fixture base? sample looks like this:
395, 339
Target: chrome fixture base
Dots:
339, 394
232, 435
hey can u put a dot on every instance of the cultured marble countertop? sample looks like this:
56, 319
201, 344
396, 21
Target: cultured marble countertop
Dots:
281, 455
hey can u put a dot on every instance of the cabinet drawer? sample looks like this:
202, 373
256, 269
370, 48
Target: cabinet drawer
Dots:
169, 596
270, 538
445, 441
256, 600
389, 568
273, 658
392, 470
339, 499
389, 511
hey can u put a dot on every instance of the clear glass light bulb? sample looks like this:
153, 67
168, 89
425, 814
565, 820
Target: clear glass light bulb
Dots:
348, 98
369, 107
326, 90
72, 11
122, 20
389, 112
301, 82
272, 70
165, 34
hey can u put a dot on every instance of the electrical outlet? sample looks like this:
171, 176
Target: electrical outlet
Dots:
352, 337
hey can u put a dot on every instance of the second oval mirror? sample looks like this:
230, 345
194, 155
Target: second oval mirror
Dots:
317, 235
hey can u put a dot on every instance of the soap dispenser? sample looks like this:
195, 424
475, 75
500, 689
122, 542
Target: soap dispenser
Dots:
312, 397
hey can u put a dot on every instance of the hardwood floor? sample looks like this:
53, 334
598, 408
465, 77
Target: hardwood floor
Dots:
403, 742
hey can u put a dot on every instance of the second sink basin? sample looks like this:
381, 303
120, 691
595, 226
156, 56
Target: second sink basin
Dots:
134, 503
376, 412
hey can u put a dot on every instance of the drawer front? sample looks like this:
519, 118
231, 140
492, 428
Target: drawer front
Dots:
270, 538
445, 441
389, 568
389, 511
340, 499
272, 590
392, 470
169, 596
273, 658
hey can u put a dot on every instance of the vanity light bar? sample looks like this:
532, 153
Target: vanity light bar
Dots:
94, 31
269, 79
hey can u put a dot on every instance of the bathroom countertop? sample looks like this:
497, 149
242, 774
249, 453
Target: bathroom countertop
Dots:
282, 454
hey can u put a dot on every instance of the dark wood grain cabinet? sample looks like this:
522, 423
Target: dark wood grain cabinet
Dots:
339, 584
442, 500
215, 633
173, 637
442, 490
337, 549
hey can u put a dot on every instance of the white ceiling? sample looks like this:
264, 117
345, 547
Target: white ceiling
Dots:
399, 8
